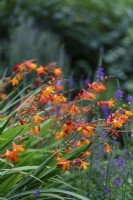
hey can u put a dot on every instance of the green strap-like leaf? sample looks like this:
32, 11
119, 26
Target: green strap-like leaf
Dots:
10, 134
23, 183
3, 123
51, 192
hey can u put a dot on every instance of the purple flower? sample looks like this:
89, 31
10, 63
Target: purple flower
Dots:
114, 141
37, 193
117, 182
104, 137
100, 73
59, 83
130, 98
107, 190
112, 161
119, 94
120, 162
104, 174
71, 81
106, 111
103, 153
86, 81
97, 166
125, 151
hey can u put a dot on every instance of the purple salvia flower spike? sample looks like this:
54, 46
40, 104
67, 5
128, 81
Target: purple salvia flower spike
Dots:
119, 94
100, 73
130, 98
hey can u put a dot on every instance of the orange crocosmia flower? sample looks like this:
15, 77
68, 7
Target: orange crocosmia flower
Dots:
70, 123
65, 164
17, 148
3, 96
11, 155
116, 124
80, 126
19, 76
83, 165
14, 81
85, 141
22, 122
59, 154
56, 71
57, 158
58, 99
97, 87
38, 119
60, 135
41, 71
46, 94
128, 113
68, 126
78, 143
74, 110
47, 91
20, 140
108, 148
87, 153
88, 131
54, 151
109, 103
50, 89
89, 96
35, 130
42, 99
123, 118
22, 67
31, 65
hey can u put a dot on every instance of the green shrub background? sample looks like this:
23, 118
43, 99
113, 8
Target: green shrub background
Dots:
71, 33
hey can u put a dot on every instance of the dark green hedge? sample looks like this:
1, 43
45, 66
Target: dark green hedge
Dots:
82, 27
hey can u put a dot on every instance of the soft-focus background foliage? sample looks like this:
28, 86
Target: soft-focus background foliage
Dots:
70, 32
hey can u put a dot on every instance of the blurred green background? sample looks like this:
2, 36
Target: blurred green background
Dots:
70, 32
